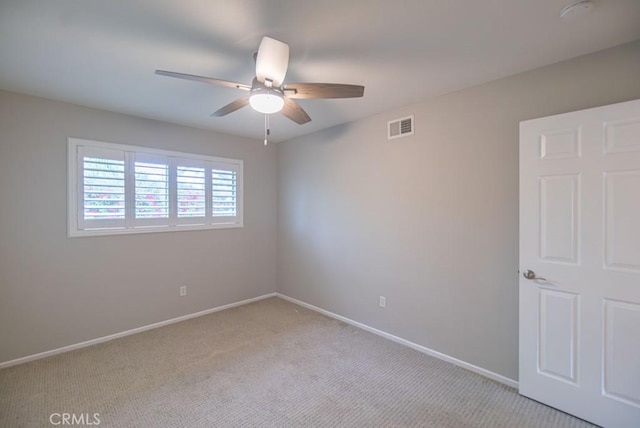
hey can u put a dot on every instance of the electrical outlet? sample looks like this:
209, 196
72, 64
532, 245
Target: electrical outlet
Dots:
383, 302
183, 290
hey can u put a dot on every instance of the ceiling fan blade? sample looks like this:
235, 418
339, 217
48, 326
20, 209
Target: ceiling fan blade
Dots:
231, 107
272, 61
322, 90
295, 112
209, 80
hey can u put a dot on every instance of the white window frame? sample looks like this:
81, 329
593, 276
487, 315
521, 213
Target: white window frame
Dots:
78, 227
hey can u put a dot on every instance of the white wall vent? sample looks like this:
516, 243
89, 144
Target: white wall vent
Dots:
402, 127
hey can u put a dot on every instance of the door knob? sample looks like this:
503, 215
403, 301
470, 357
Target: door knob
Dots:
529, 274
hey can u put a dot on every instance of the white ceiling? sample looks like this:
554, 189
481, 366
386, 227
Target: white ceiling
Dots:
103, 53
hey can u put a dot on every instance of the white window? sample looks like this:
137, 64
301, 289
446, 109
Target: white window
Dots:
116, 189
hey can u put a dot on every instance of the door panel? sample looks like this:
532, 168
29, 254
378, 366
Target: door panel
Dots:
622, 350
622, 136
558, 338
622, 219
560, 144
559, 213
580, 234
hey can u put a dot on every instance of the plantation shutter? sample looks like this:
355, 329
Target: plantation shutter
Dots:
224, 193
101, 182
116, 189
152, 204
191, 191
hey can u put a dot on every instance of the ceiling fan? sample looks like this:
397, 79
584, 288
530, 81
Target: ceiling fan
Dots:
268, 93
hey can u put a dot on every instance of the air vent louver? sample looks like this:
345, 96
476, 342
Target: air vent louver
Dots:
402, 127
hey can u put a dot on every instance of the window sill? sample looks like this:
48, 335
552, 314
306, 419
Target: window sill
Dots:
149, 229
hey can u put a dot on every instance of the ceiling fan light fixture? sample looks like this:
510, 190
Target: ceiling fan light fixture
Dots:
266, 100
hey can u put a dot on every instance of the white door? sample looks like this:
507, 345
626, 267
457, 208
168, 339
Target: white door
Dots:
580, 238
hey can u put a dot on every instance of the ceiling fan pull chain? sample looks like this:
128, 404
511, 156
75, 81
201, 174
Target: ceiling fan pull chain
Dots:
267, 131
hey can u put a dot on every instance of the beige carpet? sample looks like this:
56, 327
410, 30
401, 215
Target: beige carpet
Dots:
267, 364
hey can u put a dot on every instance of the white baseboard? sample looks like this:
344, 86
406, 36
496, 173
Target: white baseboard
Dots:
420, 348
129, 332
484, 372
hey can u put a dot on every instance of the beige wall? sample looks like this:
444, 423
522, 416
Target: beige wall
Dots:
429, 221
56, 291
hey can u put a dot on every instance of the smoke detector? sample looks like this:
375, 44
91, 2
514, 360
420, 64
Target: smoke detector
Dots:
576, 8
